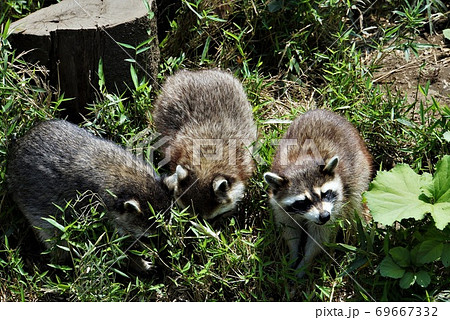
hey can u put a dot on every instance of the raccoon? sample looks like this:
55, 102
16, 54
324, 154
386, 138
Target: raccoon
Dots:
318, 174
57, 160
208, 122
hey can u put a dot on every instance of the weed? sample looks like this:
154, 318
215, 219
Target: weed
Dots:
291, 56
411, 196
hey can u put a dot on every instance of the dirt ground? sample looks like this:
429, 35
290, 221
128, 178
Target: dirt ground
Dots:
432, 64
396, 72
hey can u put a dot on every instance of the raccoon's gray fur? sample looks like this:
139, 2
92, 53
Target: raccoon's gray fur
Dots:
319, 171
209, 125
57, 160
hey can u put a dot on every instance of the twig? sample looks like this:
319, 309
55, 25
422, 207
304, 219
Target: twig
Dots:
407, 66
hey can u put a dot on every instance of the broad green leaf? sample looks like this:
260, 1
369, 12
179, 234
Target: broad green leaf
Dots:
445, 257
429, 251
423, 278
439, 191
414, 258
432, 233
394, 195
400, 256
441, 214
407, 280
439, 188
388, 268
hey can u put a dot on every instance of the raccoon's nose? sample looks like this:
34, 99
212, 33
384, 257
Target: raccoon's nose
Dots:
324, 217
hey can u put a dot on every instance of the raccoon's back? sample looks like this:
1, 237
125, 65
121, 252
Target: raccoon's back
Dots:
56, 158
59, 148
210, 99
330, 135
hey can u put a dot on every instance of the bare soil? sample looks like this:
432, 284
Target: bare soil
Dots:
404, 75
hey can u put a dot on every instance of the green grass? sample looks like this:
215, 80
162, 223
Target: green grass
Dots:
316, 57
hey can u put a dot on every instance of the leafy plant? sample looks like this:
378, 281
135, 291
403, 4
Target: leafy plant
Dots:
291, 56
402, 194
412, 17
96, 254
17, 9
415, 265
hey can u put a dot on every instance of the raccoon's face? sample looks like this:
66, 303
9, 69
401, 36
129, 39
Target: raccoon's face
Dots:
313, 192
132, 213
129, 217
209, 199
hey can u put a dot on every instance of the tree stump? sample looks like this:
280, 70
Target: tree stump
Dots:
71, 37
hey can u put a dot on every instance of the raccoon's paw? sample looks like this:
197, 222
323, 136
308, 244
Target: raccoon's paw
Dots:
148, 266
142, 266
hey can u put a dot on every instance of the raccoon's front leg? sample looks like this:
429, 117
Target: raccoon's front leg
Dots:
50, 237
140, 265
292, 237
317, 235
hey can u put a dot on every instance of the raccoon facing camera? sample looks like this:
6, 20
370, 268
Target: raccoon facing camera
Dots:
208, 123
56, 161
320, 169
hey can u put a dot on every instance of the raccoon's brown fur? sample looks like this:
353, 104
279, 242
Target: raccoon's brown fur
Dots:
319, 172
56, 161
209, 125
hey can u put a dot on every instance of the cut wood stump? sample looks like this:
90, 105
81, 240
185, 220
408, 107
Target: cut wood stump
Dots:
71, 37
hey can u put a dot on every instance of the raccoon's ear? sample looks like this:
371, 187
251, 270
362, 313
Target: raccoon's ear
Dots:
220, 186
181, 172
132, 206
331, 164
172, 181
273, 180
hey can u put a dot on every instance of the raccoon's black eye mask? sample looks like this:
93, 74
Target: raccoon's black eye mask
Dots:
299, 206
328, 195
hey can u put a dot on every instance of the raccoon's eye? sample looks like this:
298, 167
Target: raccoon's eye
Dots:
328, 195
299, 205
